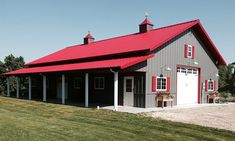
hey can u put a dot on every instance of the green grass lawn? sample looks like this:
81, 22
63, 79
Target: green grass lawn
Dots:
23, 120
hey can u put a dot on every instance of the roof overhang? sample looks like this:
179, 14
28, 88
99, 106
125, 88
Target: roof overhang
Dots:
121, 64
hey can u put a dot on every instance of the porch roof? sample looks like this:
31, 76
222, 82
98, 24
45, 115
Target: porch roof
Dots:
121, 63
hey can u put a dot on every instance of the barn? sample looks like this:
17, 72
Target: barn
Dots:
132, 70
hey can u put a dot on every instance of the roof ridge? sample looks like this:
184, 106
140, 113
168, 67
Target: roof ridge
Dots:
134, 33
177, 24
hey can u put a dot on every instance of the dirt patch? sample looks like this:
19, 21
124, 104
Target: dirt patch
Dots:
218, 116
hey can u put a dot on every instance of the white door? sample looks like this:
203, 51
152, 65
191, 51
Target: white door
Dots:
128, 91
59, 88
187, 86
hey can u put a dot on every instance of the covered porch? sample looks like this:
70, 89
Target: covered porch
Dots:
91, 89
96, 83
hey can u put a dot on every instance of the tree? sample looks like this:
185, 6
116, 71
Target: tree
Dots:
227, 79
10, 63
2, 79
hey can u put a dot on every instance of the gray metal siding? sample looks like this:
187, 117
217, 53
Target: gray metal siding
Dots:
170, 55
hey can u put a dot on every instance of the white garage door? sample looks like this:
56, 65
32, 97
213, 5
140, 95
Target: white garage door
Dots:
187, 86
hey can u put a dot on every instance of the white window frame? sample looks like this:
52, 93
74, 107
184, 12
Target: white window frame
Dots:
74, 82
161, 90
98, 87
191, 51
209, 85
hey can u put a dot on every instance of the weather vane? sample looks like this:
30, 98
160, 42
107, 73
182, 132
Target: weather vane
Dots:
146, 15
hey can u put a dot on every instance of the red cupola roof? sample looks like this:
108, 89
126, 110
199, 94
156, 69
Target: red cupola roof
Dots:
88, 39
146, 22
89, 36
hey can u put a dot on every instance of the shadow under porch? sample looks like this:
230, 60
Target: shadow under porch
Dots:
100, 86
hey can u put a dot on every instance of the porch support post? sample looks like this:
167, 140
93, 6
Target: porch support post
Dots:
86, 90
17, 87
44, 88
8, 86
115, 91
63, 89
30, 86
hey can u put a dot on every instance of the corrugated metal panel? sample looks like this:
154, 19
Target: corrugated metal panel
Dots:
170, 55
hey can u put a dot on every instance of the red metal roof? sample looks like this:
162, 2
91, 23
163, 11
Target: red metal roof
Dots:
123, 44
128, 44
146, 21
112, 63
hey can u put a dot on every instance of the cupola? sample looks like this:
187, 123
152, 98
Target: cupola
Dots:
145, 26
88, 39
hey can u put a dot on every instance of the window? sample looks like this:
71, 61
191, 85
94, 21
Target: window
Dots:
128, 85
183, 70
210, 85
161, 83
195, 71
178, 69
77, 83
99, 83
190, 51
190, 71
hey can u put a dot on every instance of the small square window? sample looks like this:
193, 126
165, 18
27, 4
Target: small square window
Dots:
99, 83
77, 83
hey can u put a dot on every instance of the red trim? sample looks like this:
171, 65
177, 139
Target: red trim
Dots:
206, 85
199, 81
168, 84
153, 83
193, 52
185, 51
199, 85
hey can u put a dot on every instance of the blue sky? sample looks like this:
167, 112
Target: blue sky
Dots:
35, 28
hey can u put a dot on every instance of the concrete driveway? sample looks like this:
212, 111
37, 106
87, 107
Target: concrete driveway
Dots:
217, 116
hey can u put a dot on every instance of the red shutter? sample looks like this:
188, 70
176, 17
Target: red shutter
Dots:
214, 85
153, 83
185, 51
193, 52
168, 84
206, 85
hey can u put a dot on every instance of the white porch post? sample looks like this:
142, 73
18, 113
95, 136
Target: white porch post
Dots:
17, 87
115, 91
8, 86
86, 90
44, 88
30, 86
63, 89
